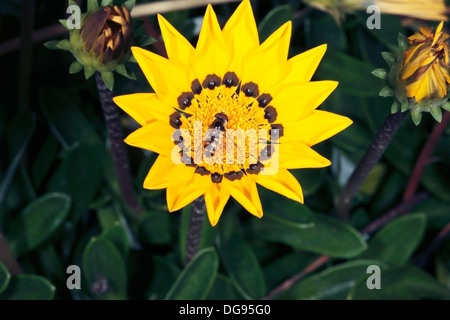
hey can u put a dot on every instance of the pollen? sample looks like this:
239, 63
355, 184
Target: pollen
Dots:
232, 119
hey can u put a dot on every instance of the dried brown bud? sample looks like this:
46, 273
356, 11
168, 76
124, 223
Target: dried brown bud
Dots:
107, 33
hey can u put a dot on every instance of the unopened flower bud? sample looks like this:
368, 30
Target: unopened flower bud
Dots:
419, 76
107, 34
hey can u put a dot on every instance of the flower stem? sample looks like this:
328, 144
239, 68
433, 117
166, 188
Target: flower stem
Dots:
194, 235
424, 157
118, 148
370, 159
7, 257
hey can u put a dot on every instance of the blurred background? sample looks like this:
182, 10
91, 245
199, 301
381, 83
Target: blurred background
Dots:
60, 203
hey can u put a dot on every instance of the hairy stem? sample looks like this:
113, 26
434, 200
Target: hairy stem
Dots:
7, 257
194, 236
370, 159
425, 155
118, 148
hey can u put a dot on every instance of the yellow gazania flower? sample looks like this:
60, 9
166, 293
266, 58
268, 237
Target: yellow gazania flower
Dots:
230, 81
425, 71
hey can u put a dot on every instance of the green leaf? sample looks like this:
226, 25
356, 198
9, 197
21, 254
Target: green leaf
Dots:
402, 283
334, 283
108, 79
323, 29
163, 274
146, 41
37, 222
64, 45
88, 72
273, 20
155, 227
64, 24
436, 212
117, 235
416, 117
436, 112
52, 44
130, 4
446, 106
380, 73
404, 106
442, 264
386, 92
43, 161
79, 176
132, 59
75, 67
358, 82
223, 289
4, 277
388, 57
105, 270
397, 241
242, 266
196, 280
106, 3
395, 107
121, 69
68, 123
310, 179
19, 133
285, 210
28, 287
108, 215
92, 5
403, 42
286, 266
374, 179
328, 236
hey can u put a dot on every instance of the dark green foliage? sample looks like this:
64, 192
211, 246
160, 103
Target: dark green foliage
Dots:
61, 205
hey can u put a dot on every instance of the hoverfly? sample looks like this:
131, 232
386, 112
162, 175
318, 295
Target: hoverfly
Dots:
214, 133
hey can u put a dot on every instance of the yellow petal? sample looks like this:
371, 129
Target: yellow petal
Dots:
317, 127
143, 107
155, 136
177, 47
438, 33
297, 155
267, 65
302, 67
426, 31
167, 78
241, 35
246, 193
283, 183
295, 102
181, 195
164, 173
215, 198
211, 56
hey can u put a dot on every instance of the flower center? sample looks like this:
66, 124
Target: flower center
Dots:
225, 128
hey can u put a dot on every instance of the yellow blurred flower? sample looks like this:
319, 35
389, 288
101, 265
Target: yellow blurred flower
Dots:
229, 82
425, 71
419, 9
